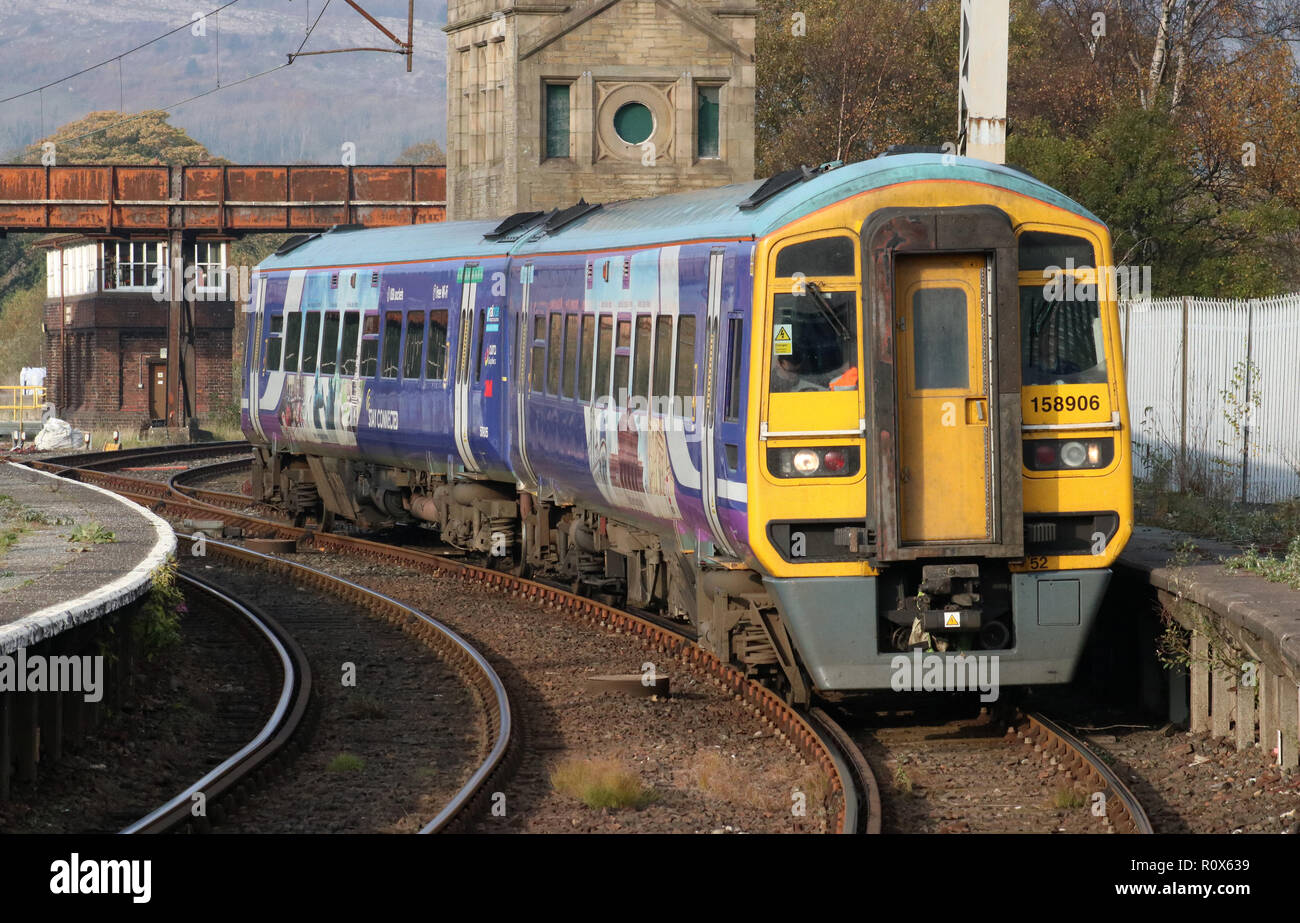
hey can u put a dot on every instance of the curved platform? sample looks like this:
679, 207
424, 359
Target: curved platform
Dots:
49, 583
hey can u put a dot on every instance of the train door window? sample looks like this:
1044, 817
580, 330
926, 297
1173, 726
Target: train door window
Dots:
414, 345
663, 356
735, 343
585, 357
571, 322
435, 355
329, 344
482, 345
618, 388
310, 341
940, 356
370, 346
539, 353
684, 386
641, 358
604, 346
392, 344
271, 350
556, 341
292, 341
351, 333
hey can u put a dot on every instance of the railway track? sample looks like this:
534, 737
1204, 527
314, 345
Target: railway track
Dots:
818, 740
280, 741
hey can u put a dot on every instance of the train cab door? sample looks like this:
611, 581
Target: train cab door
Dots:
945, 440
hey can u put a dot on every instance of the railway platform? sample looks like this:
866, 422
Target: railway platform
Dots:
76, 563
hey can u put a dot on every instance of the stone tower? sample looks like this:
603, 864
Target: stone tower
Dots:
549, 102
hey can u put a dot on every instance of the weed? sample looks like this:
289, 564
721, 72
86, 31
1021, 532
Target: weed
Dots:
364, 706
602, 784
902, 781
346, 762
1068, 798
160, 616
92, 533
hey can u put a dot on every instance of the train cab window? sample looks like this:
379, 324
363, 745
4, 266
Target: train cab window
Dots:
435, 355
556, 342
663, 356
414, 345
329, 345
604, 347
735, 345
684, 386
1061, 339
539, 354
618, 388
641, 358
392, 344
814, 341
585, 357
571, 322
827, 256
271, 349
370, 346
310, 342
351, 333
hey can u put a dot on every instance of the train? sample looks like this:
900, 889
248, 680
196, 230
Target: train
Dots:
832, 419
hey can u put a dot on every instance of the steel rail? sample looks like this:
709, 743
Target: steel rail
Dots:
1131, 817
268, 742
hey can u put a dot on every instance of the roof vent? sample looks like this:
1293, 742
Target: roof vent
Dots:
783, 181
557, 220
515, 222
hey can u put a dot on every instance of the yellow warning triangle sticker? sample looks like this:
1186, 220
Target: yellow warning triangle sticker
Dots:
952, 620
782, 333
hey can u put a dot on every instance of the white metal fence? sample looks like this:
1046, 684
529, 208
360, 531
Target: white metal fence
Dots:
1214, 393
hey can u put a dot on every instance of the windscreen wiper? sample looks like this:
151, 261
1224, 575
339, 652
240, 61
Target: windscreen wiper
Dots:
828, 312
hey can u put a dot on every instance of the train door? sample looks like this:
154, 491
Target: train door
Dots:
523, 340
946, 491
469, 277
712, 472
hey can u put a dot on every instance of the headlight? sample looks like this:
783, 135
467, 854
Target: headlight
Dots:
829, 462
1073, 454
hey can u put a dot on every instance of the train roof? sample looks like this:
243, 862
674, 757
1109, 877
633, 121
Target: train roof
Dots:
704, 214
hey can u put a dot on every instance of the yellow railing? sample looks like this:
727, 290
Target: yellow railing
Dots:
19, 403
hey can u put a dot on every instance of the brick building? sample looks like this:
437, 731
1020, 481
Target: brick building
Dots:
106, 333
601, 99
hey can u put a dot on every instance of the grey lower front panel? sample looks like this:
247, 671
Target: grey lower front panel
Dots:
833, 621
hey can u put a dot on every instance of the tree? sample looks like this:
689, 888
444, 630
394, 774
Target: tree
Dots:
111, 137
426, 152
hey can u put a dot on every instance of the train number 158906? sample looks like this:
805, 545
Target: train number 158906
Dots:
1069, 402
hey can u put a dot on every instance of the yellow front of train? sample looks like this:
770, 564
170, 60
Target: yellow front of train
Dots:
941, 466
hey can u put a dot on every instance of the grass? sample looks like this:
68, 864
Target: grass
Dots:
91, 533
902, 781
346, 762
602, 784
364, 706
1068, 798
1270, 525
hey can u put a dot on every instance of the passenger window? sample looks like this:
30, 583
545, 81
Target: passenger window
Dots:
310, 342
351, 331
570, 353
641, 360
556, 344
292, 336
435, 356
684, 387
370, 346
271, 347
735, 338
604, 346
663, 355
392, 343
329, 346
829, 256
414, 344
940, 356
585, 357
539, 353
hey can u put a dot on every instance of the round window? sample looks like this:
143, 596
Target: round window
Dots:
633, 122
